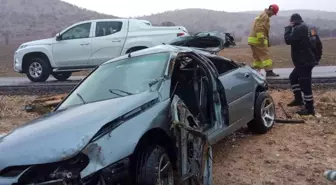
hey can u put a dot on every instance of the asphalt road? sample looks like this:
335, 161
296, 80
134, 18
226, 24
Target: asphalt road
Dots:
318, 72
10, 81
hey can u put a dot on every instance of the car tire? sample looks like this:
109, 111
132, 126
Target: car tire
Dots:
38, 69
62, 76
264, 114
149, 164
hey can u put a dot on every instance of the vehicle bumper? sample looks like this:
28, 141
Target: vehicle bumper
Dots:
116, 173
18, 62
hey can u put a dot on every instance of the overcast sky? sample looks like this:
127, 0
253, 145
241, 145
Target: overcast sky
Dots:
130, 8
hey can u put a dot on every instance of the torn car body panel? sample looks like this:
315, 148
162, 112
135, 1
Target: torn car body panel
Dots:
78, 124
212, 42
191, 141
111, 148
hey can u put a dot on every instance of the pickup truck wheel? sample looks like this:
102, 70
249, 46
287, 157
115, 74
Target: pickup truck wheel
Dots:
38, 69
264, 114
154, 167
62, 76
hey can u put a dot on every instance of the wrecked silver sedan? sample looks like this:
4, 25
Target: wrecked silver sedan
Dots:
145, 118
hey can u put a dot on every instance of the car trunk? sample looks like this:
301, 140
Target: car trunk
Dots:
206, 41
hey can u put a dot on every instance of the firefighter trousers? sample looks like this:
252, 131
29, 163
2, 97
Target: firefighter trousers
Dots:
261, 57
301, 83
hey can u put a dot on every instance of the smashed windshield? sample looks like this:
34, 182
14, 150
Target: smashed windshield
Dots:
120, 78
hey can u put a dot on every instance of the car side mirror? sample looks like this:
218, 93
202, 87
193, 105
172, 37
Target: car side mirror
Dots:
58, 37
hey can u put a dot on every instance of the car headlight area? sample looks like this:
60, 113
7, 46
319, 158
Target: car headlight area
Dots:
63, 172
66, 172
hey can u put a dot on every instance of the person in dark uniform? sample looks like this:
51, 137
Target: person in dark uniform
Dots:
306, 52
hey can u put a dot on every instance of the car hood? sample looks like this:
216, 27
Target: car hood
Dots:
62, 134
211, 42
39, 42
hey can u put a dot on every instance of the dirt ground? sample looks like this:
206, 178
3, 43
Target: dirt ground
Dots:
290, 154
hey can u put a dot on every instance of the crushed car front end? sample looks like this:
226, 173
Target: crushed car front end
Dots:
94, 136
106, 157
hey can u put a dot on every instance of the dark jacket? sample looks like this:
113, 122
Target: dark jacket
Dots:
301, 47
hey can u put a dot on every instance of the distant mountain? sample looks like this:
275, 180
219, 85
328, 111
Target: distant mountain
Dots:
239, 23
25, 20
32, 19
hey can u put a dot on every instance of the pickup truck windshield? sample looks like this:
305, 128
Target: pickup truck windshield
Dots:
118, 79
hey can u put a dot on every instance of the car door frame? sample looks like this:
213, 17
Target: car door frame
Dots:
83, 63
122, 33
237, 124
218, 104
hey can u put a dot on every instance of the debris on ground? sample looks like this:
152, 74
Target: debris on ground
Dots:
44, 104
330, 175
295, 154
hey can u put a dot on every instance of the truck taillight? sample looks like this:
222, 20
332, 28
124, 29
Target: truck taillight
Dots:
180, 34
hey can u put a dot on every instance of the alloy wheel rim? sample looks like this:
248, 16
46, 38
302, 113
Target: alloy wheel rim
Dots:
35, 69
166, 173
268, 112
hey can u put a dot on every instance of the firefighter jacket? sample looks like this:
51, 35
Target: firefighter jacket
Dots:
259, 34
302, 50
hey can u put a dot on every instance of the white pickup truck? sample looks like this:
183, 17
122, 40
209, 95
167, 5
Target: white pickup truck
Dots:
87, 44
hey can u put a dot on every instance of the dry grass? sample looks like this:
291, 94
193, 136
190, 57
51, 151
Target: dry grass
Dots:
281, 54
288, 154
12, 112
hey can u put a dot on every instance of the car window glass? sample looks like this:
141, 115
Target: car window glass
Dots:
107, 28
223, 66
78, 32
131, 75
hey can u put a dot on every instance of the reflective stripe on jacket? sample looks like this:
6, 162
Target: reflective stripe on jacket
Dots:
259, 34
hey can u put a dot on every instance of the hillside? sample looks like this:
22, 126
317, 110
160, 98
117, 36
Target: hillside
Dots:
25, 20
281, 54
312, 14
239, 23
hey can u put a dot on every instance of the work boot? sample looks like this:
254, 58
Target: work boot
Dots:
305, 112
271, 74
298, 101
308, 110
295, 103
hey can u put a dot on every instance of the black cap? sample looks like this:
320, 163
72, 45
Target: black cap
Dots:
296, 18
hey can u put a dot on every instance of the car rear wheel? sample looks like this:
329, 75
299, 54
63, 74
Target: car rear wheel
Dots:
264, 114
154, 167
38, 69
62, 76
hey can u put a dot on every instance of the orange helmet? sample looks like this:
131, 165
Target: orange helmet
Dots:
274, 8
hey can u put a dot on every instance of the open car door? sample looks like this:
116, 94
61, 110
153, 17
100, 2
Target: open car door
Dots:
212, 42
194, 151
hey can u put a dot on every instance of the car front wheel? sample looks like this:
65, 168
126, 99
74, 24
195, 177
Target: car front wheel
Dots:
62, 76
264, 114
38, 69
154, 167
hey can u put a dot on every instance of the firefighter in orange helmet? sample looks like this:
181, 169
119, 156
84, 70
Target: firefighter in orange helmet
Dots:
259, 41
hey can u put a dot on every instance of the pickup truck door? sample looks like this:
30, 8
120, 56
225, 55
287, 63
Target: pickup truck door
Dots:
74, 47
108, 41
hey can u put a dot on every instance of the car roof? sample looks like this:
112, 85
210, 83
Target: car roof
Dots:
164, 48
99, 20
